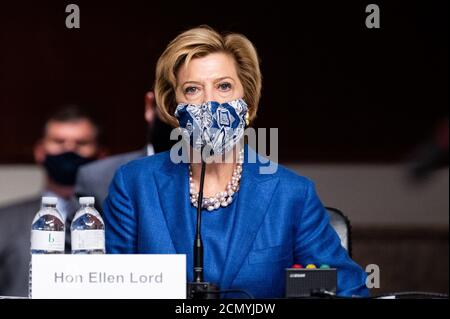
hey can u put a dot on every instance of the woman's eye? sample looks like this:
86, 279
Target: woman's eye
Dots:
225, 86
190, 90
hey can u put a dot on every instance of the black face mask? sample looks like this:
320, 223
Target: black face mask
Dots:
63, 168
158, 134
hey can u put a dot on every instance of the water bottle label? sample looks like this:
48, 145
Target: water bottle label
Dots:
47, 240
88, 239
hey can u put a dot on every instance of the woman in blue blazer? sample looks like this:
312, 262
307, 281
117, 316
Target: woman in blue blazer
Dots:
254, 225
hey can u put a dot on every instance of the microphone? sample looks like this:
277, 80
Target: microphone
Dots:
199, 289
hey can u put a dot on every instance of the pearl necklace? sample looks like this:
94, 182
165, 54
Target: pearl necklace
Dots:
221, 199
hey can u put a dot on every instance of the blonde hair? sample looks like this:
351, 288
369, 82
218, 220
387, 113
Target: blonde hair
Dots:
199, 42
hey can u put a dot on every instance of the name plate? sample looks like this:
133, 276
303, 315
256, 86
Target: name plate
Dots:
108, 276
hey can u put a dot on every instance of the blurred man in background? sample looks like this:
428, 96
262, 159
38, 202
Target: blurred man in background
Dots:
94, 179
70, 139
433, 154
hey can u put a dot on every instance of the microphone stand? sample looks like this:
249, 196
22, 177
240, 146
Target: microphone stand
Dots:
199, 289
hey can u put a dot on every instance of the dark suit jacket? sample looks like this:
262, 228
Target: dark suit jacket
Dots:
15, 229
94, 178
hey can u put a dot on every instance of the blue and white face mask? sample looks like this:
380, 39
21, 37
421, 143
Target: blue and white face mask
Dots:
216, 126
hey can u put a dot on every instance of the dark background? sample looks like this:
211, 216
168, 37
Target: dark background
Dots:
336, 90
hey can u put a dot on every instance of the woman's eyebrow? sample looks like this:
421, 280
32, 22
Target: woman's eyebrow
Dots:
223, 78
215, 81
191, 82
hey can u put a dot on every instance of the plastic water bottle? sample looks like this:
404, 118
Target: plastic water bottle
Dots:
47, 231
87, 229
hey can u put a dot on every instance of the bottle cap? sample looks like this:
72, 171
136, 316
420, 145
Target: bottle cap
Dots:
49, 200
87, 200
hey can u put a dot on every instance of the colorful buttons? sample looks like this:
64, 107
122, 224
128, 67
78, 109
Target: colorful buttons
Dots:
311, 266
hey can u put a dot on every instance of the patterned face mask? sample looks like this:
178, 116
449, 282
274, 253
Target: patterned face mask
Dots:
213, 125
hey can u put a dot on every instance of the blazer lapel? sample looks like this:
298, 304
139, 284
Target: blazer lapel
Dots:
173, 190
255, 195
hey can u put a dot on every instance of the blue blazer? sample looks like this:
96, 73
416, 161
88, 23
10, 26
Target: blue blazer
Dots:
279, 221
